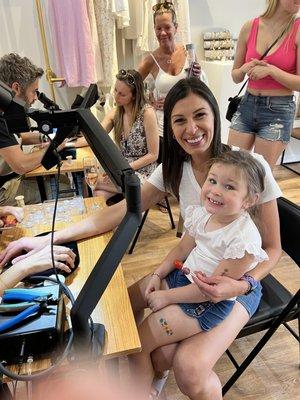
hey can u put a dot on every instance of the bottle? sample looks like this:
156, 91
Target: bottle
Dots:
191, 56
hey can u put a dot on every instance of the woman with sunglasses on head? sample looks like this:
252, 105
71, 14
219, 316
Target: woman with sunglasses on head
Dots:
192, 136
135, 127
168, 63
265, 116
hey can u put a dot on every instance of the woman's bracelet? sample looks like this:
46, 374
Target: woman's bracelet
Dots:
156, 274
252, 283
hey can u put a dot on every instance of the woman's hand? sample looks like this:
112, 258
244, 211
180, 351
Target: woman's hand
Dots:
31, 244
41, 260
17, 212
217, 288
158, 300
153, 285
259, 72
196, 70
246, 68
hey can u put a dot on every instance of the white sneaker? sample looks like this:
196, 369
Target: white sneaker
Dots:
158, 384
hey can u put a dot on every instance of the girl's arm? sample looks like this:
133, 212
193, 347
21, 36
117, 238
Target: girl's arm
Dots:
180, 252
108, 121
233, 268
152, 138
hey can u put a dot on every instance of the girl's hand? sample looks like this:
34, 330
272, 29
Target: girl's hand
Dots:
31, 244
153, 285
217, 288
158, 300
259, 72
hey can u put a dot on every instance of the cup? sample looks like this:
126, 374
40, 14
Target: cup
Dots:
20, 201
69, 159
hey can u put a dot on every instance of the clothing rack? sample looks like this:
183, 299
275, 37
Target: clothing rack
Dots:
50, 75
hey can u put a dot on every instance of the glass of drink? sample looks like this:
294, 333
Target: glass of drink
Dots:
91, 174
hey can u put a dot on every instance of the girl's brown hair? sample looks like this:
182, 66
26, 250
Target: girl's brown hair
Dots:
134, 81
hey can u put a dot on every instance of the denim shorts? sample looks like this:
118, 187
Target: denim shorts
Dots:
208, 314
268, 117
251, 301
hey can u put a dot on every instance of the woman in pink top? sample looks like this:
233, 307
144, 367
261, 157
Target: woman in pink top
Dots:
264, 119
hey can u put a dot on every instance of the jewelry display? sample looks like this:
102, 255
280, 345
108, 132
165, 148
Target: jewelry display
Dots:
218, 44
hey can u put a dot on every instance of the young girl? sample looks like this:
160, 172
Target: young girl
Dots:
135, 127
220, 239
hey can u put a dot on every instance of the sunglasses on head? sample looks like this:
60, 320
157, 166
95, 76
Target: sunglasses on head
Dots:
126, 76
167, 5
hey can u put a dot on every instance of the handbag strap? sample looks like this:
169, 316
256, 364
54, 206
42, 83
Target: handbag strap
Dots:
267, 51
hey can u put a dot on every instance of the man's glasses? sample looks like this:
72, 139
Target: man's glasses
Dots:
167, 5
126, 76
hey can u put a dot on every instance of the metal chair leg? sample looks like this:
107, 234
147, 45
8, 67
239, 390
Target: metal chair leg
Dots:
170, 212
137, 234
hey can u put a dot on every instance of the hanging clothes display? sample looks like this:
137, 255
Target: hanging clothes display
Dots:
72, 41
99, 74
105, 23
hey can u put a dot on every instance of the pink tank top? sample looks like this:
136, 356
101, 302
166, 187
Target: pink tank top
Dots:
284, 57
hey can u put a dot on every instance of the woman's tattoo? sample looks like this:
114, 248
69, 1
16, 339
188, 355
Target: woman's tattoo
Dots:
165, 326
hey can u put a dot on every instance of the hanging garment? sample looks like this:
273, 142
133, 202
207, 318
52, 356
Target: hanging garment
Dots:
72, 41
121, 10
183, 34
105, 22
99, 75
136, 15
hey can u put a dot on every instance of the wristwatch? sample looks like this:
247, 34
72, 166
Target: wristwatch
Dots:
252, 283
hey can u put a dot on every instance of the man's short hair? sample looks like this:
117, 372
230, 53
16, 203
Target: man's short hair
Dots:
14, 68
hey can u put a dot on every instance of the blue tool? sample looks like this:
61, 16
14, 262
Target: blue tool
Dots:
30, 302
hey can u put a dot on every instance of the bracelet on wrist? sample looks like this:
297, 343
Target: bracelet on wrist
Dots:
156, 274
252, 283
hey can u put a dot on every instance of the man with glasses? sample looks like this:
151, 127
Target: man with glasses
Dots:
21, 75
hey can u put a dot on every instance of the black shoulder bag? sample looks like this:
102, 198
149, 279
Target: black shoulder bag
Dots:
235, 101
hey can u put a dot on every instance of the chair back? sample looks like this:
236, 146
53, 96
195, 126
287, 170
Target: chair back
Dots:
289, 215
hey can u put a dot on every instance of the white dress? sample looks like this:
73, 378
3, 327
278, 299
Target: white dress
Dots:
231, 241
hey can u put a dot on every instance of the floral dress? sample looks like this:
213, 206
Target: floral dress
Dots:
135, 145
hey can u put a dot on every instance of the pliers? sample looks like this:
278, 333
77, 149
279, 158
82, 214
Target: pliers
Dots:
29, 302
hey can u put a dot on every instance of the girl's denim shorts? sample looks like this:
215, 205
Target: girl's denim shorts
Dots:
268, 117
209, 314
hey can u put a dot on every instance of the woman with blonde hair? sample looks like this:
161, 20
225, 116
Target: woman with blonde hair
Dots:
264, 118
135, 129
168, 63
